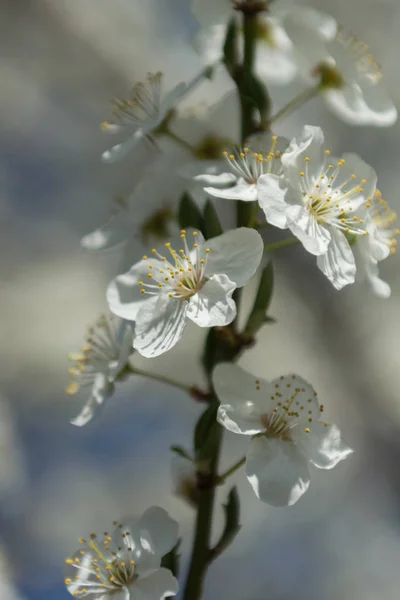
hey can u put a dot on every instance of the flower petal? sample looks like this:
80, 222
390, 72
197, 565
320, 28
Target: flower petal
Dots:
102, 390
125, 341
124, 295
236, 254
119, 151
247, 192
277, 471
209, 42
213, 306
379, 287
309, 144
156, 586
112, 233
209, 177
163, 530
272, 192
314, 237
275, 65
367, 105
323, 445
338, 262
243, 399
159, 325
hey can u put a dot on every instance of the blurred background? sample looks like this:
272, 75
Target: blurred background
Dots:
60, 64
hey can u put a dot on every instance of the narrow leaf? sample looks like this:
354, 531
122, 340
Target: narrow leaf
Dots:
258, 314
171, 560
232, 524
181, 452
230, 47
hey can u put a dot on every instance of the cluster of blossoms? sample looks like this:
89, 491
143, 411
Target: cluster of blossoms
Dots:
331, 205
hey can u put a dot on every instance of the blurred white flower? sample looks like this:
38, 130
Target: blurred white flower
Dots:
377, 245
283, 418
126, 564
260, 157
102, 358
317, 198
149, 209
275, 59
197, 284
349, 74
144, 112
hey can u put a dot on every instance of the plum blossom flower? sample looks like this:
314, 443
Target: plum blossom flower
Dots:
275, 59
126, 564
317, 197
95, 368
284, 419
350, 77
260, 157
160, 294
377, 245
149, 209
144, 111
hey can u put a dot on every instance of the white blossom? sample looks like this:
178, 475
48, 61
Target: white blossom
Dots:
350, 76
275, 54
144, 112
107, 348
377, 245
284, 419
260, 157
151, 205
160, 294
126, 564
319, 199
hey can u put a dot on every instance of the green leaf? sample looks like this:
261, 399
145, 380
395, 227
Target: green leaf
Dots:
255, 94
258, 314
204, 426
181, 452
189, 214
210, 351
231, 47
212, 226
232, 523
171, 560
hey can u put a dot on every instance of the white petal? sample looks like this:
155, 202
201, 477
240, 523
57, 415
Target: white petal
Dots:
379, 287
323, 24
125, 343
172, 98
236, 254
207, 171
338, 262
123, 294
309, 144
272, 192
209, 43
355, 164
323, 445
362, 106
213, 306
242, 403
212, 179
277, 471
119, 151
156, 586
247, 192
314, 237
162, 530
274, 64
159, 325
100, 392
115, 231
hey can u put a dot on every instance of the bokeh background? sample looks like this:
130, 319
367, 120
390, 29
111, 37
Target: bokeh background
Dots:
61, 61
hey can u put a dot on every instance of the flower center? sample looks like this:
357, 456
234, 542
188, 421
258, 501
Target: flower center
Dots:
250, 165
100, 349
144, 103
332, 202
359, 52
182, 277
102, 565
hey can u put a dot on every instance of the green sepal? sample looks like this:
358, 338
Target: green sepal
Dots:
230, 48
258, 315
181, 452
212, 226
189, 214
171, 560
255, 94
